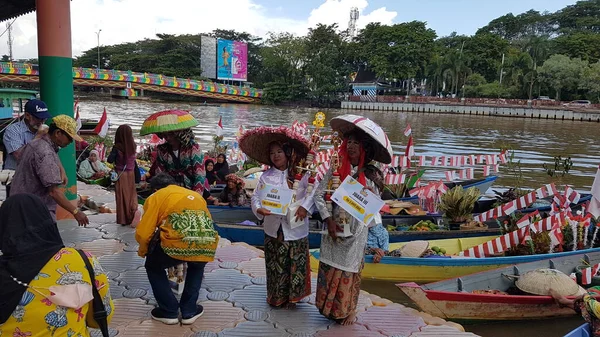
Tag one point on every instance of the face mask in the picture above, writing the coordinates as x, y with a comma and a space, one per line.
72, 296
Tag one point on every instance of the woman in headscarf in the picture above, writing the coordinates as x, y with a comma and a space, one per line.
92, 167
123, 156
34, 263
181, 157
287, 257
209, 168
341, 258
221, 168
234, 193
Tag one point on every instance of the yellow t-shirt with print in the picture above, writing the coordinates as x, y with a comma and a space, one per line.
36, 316
187, 231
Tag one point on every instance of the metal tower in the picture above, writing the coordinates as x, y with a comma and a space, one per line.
352, 24
10, 41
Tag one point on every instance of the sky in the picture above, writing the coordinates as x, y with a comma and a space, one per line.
132, 20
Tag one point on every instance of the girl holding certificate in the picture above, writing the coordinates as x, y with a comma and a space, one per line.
342, 258
286, 242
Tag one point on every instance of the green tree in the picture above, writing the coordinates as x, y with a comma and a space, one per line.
562, 73
590, 80
400, 51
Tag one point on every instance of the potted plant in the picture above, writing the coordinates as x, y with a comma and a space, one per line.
457, 205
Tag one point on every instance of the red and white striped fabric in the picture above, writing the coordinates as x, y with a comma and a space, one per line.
395, 179
526, 200
421, 160
449, 175
327, 137
499, 211
486, 170
588, 273
435, 161
526, 219
322, 169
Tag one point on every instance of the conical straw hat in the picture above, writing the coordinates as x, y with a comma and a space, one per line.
383, 146
414, 248
540, 281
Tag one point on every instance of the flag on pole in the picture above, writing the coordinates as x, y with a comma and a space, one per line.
102, 127
220, 127
77, 119
408, 130
410, 148
594, 207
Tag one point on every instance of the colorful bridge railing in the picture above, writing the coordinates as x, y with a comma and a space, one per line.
135, 77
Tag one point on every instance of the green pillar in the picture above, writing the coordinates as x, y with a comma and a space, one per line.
56, 72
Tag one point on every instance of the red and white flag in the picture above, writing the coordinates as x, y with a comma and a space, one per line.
103, 125
410, 148
408, 130
78, 119
219, 130
594, 207
588, 273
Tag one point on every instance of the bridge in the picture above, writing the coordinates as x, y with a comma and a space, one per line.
131, 81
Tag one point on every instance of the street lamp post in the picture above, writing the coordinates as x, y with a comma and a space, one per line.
98, 35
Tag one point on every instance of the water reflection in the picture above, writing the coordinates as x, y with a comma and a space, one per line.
536, 141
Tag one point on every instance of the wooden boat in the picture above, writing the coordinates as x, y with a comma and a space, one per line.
581, 331
88, 127
454, 298
422, 270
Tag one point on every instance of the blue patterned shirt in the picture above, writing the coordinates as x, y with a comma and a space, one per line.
378, 238
16, 136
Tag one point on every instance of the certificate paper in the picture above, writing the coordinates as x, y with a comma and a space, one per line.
359, 202
274, 198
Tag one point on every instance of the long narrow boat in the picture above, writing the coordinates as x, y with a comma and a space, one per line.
423, 270
454, 298
581, 331
254, 234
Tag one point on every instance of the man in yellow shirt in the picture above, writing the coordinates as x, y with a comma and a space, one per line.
184, 233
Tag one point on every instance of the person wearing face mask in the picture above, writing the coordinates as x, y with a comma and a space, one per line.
19, 134
181, 157
45, 288
287, 256
342, 258
40, 172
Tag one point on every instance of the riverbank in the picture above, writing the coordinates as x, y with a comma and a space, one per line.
479, 110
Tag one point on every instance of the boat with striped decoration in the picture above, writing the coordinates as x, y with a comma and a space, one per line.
476, 297
432, 269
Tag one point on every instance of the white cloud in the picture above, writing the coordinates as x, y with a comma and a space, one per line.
132, 20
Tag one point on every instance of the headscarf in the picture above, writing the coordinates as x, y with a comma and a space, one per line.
210, 175
239, 182
94, 164
222, 169
124, 141
346, 165
29, 238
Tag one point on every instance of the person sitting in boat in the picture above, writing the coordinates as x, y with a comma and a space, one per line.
211, 175
234, 193
221, 168
92, 167
585, 305
378, 242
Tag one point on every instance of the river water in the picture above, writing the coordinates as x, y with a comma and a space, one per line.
535, 142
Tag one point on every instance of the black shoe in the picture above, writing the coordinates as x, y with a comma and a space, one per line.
192, 319
159, 315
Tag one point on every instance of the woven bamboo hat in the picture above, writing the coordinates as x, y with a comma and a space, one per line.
414, 248
255, 142
540, 281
